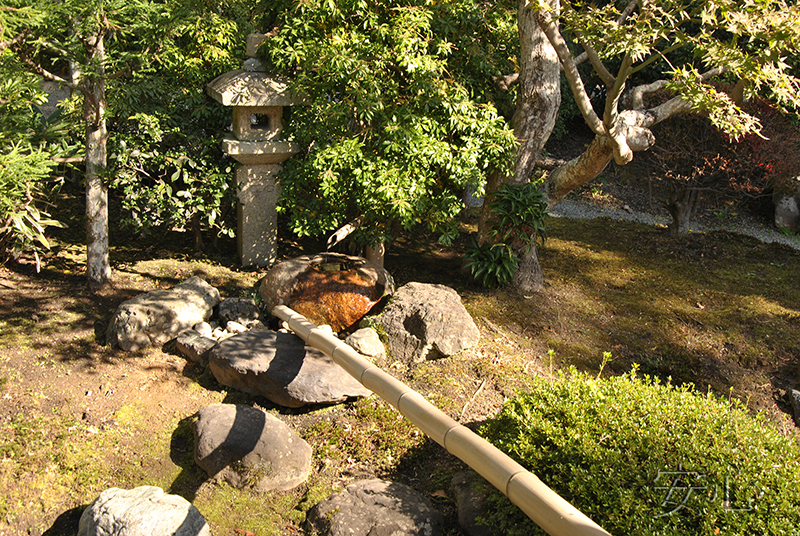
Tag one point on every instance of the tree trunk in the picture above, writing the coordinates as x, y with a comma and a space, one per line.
376, 254
197, 232
98, 269
578, 171
529, 277
683, 203
538, 101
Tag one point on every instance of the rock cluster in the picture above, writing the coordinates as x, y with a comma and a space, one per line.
248, 447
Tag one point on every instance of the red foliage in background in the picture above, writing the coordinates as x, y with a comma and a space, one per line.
690, 150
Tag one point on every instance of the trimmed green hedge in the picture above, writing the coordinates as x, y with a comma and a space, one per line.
640, 457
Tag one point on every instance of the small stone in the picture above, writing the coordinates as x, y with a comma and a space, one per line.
795, 394
204, 329
367, 342
234, 327
218, 333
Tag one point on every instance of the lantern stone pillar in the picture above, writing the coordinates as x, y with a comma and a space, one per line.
257, 99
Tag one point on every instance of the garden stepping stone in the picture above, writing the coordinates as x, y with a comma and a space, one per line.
248, 447
424, 321
280, 367
375, 507
158, 316
142, 511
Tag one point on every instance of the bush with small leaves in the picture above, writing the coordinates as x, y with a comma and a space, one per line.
642, 457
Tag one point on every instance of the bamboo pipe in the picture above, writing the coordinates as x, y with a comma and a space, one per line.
544, 506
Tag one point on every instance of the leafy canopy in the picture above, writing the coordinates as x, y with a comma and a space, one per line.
391, 133
751, 41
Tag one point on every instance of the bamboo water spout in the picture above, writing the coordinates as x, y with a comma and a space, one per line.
544, 506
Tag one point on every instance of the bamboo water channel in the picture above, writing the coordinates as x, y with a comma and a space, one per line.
544, 506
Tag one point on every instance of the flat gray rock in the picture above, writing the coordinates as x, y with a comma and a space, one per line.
248, 447
194, 347
158, 316
424, 321
280, 367
375, 508
142, 511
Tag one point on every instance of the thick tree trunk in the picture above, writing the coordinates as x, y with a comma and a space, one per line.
538, 101
98, 269
529, 277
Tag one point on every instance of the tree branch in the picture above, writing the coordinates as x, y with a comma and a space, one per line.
47, 74
11, 42
506, 81
550, 29
597, 63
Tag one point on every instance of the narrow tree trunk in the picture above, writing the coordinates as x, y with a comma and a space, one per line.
376, 254
683, 203
197, 232
98, 269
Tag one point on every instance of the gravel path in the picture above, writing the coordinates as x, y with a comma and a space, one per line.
744, 224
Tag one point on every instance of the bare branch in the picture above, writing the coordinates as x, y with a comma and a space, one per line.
627, 11
506, 81
550, 29
638, 93
343, 232
47, 74
597, 63
549, 163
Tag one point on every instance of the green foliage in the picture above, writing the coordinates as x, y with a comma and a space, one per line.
641, 457
391, 132
165, 158
494, 265
28, 143
679, 39
518, 212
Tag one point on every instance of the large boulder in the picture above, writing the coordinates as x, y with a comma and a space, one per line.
142, 511
246, 446
158, 316
332, 289
280, 367
424, 321
375, 507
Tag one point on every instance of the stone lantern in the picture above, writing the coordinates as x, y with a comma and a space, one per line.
257, 99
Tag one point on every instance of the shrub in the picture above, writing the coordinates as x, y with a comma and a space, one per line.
641, 457
518, 212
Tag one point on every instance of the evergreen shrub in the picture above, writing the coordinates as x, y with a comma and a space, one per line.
642, 457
